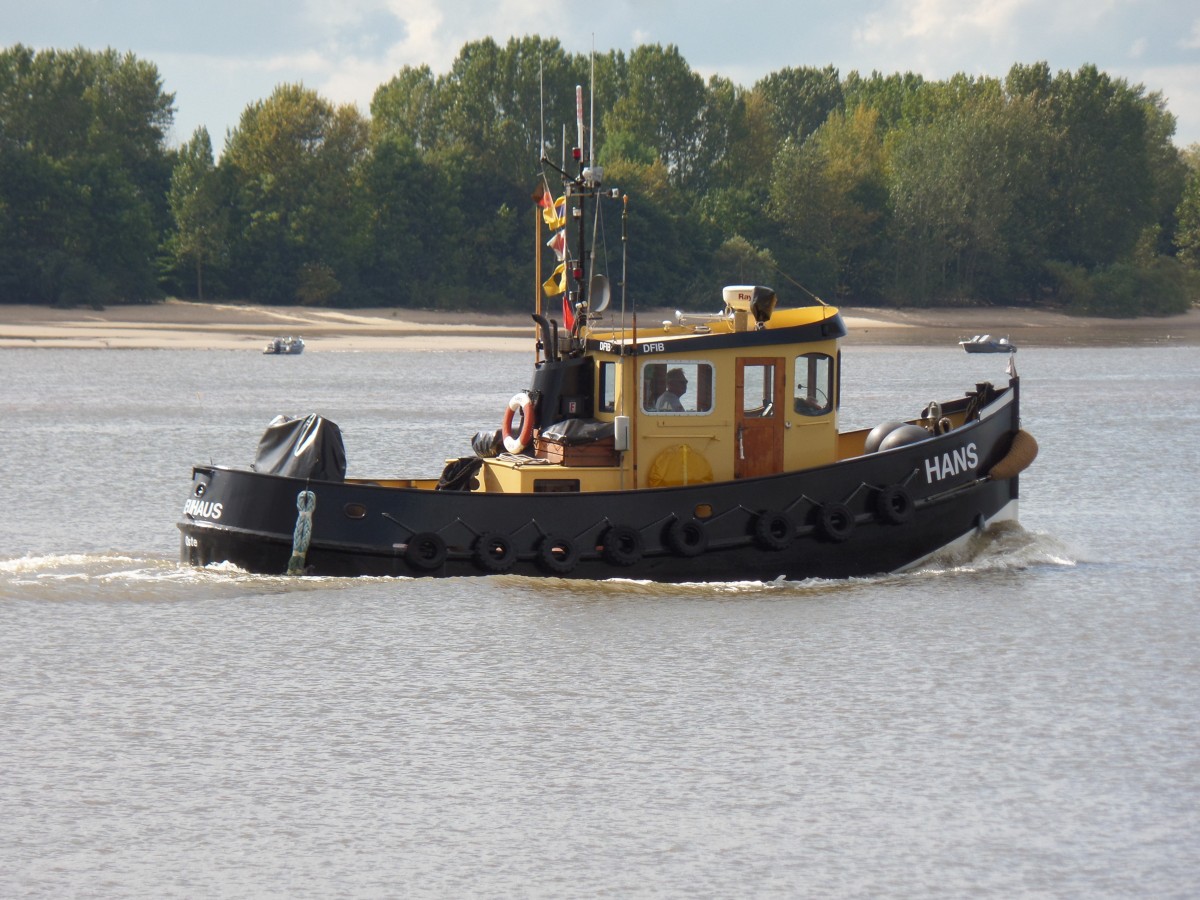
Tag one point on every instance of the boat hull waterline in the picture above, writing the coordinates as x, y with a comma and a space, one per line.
871, 514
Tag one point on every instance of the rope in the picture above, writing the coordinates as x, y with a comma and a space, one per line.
306, 502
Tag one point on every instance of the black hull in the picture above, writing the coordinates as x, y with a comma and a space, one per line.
872, 514
989, 348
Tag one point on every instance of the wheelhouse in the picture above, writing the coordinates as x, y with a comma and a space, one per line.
737, 394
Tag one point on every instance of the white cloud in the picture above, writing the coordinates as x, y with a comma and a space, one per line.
940, 21
346, 49
1192, 41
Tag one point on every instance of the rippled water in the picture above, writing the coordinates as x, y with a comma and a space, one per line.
1017, 721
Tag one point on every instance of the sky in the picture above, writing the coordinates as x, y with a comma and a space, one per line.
219, 56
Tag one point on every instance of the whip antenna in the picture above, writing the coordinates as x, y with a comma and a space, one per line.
592, 111
579, 116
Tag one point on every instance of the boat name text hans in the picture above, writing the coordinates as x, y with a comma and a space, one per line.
950, 464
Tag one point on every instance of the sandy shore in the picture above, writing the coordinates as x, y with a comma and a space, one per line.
185, 325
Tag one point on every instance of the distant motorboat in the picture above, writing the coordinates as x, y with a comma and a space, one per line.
285, 345
985, 343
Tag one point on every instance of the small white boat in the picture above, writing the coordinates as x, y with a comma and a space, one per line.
985, 343
290, 346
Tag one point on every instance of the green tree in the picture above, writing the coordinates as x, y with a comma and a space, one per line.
409, 106
1114, 181
662, 107
294, 161
1168, 175
667, 250
494, 99
197, 204
737, 261
891, 96
1104, 186
966, 186
85, 175
737, 197
1187, 236
829, 197
799, 100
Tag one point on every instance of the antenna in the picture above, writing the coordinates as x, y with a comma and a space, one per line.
592, 111
625, 256
579, 116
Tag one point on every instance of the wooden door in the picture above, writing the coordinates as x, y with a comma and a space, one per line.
758, 417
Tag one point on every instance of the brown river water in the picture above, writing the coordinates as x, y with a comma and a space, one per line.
1018, 720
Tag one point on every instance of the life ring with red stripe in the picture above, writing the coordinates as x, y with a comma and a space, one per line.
516, 443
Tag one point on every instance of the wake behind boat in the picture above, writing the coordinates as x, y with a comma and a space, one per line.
703, 448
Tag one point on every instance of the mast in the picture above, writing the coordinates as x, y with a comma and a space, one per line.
537, 274
580, 211
577, 189
537, 216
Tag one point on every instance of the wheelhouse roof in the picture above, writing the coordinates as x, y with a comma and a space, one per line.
808, 324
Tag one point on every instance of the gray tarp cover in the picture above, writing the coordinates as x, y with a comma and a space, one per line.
578, 431
302, 447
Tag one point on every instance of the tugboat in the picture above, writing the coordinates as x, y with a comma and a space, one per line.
703, 448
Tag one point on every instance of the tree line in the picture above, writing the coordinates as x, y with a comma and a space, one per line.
1042, 189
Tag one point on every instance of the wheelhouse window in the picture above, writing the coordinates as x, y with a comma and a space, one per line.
814, 384
677, 388
608, 387
758, 390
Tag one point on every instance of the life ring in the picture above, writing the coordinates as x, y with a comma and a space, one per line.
494, 552
622, 545
774, 530
516, 443
894, 504
687, 537
557, 554
835, 521
426, 551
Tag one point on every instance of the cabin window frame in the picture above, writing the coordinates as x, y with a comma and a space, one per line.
701, 386
756, 387
814, 376
606, 387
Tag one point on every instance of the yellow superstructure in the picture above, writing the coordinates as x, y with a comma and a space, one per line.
699, 399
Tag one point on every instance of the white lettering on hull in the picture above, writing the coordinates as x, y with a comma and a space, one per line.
951, 463
202, 509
